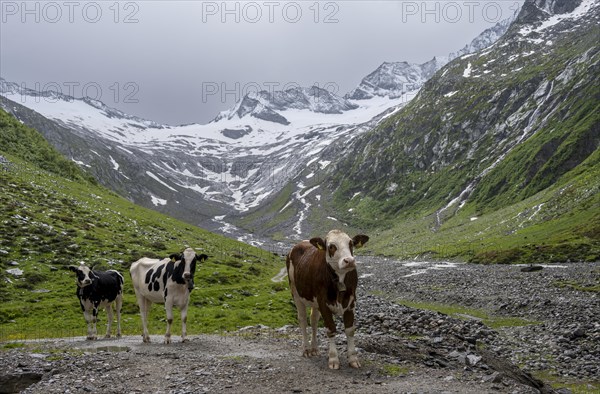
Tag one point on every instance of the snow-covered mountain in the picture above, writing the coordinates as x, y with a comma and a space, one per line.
239, 161
393, 79
268, 105
199, 172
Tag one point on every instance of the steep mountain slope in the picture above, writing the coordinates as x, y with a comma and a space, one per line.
52, 215
489, 131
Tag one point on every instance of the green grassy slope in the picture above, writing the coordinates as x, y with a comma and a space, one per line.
558, 224
53, 215
519, 136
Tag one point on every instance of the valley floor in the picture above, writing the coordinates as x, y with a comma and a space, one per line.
495, 319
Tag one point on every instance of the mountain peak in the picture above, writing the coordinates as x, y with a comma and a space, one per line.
265, 104
537, 10
393, 79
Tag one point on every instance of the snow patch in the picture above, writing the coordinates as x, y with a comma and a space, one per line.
156, 178
467, 72
81, 163
324, 163
425, 266
114, 163
158, 201
285, 206
125, 150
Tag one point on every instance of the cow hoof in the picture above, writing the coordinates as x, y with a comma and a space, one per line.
354, 364
334, 364
184, 340
107, 336
119, 335
90, 338
167, 340
146, 339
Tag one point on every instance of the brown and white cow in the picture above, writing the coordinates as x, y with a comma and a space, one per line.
322, 275
168, 281
97, 290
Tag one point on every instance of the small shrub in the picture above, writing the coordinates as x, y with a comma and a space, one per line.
254, 270
234, 264
35, 277
508, 256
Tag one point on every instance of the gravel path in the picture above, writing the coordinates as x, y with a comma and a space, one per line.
402, 349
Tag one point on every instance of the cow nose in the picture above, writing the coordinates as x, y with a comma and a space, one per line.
186, 275
349, 261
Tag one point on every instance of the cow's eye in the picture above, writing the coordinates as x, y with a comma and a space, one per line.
332, 250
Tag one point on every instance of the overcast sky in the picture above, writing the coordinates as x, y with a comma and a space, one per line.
180, 62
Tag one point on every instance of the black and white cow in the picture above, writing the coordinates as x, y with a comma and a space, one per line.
168, 281
95, 290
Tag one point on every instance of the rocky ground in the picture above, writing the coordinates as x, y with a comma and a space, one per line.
402, 349
564, 337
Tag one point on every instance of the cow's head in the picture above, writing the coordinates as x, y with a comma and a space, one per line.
339, 249
189, 258
84, 274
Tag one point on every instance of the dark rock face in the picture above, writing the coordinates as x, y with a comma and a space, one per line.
271, 116
237, 133
17, 382
536, 10
557, 6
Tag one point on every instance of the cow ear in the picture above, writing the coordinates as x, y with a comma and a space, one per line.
174, 256
360, 240
318, 243
73, 268
203, 257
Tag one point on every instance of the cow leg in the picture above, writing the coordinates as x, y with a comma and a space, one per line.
169, 310
349, 329
89, 321
314, 322
109, 318
94, 321
334, 360
184, 322
118, 306
301, 309
145, 306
